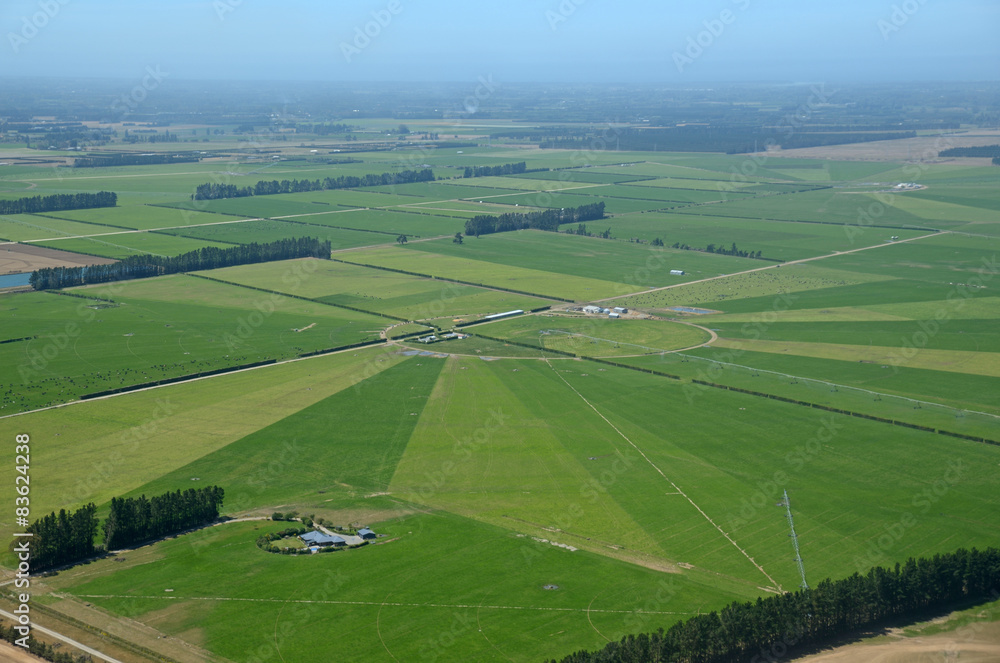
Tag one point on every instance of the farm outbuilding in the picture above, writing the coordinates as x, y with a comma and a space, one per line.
614, 316
677, 272
366, 534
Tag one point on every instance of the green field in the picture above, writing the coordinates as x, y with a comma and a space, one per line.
552, 481
594, 336
400, 295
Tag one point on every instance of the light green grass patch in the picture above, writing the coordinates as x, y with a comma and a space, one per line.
25, 227
94, 450
775, 282
594, 336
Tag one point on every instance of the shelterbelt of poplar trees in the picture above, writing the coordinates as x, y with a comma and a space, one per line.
58, 202
486, 224
774, 626
209, 257
215, 191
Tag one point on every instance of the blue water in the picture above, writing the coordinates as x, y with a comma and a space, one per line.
688, 309
13, 280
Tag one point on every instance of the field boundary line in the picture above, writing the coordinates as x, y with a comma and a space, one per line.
448, 606
774, 583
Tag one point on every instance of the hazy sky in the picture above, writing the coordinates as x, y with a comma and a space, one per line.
659, 41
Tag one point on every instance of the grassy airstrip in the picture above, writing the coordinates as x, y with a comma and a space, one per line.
496, 465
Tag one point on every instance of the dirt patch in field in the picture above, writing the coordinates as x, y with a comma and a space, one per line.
21, 258
12, 654
975, 645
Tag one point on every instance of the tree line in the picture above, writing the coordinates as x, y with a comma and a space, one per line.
208, 257
988, 151
496, 171
772, 626
215, 191
720, 249
112, 160
63, 538
58, 202
550, 219
136, 519
728, 139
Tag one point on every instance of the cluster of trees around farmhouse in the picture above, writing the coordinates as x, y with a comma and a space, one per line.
772, 627
209, 257
494, 171
65, 538
137, 519
58, 202
550, 219
40, 649
214, 191
109, 160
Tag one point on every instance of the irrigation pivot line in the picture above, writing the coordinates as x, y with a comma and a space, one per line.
795, 541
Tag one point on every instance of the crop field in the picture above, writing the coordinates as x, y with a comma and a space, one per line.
578, 197
142, 331
596, 336
142, 217
540, 484
778, 240
270, 230
124, 243
488, 274
634, 266
663, 194
410, 223
400, 295
29, 227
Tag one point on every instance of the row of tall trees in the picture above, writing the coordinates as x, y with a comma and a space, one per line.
63, 538
209, 257
136, 519
720, 249
988, 151
773, 626
110, 160
58, 202
214, 191
494, 171
550, 219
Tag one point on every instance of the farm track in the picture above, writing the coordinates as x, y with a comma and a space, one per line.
79, 645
